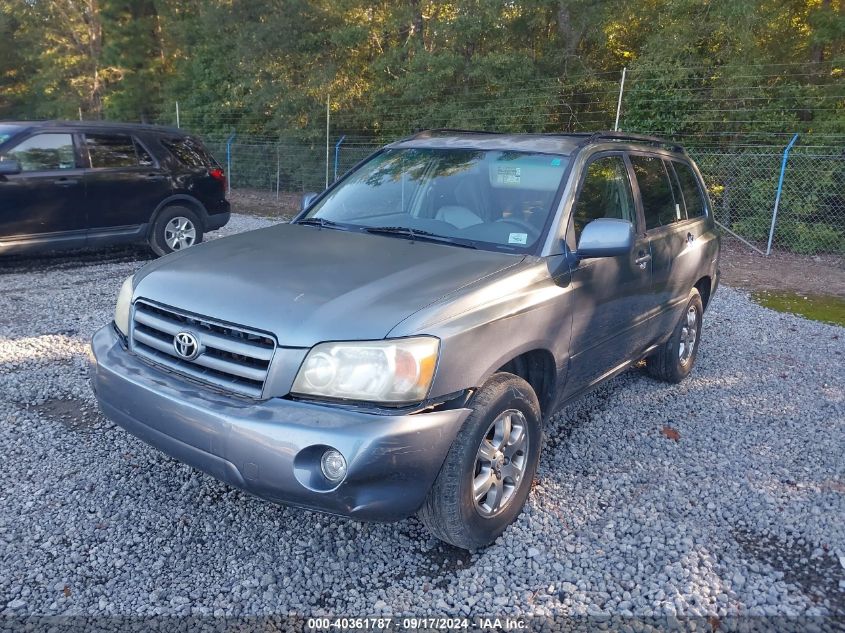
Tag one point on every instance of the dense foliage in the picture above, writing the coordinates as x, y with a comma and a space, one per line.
267, 67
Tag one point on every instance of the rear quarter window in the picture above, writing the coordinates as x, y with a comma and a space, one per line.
188, 151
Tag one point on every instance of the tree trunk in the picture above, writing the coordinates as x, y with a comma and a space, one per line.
91, 17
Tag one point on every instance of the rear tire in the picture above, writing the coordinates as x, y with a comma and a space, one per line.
176, 228
673, 361
474, 499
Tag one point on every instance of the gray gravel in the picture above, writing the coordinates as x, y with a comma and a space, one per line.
743, 514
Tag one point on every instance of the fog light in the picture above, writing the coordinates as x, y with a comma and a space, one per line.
333, 465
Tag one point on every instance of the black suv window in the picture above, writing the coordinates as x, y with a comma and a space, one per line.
189, 152
693, 196
45, 152
656, 192
111, 150
605, 193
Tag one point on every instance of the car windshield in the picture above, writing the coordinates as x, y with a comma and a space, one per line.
495, 200
7, 131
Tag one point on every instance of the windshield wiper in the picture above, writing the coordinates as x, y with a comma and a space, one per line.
323, 223
414, 234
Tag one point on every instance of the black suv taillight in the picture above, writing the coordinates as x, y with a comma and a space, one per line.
219, 175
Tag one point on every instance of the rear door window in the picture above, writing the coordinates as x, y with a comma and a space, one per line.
111, 150
45, 152
605, 193
656, 191
189, 152
693, 195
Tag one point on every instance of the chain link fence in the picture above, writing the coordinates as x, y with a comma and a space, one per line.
742, 181
743, 185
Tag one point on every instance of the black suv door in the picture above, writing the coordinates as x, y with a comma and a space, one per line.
124, 182
46, 201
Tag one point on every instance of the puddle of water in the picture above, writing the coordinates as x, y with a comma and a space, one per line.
824, 308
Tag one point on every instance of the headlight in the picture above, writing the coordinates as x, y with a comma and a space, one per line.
121, 310
392, 371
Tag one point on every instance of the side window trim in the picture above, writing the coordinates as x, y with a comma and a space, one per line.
569, 233
146, 148
677, 193
699, 184
635, 189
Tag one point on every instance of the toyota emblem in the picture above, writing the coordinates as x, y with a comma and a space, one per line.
186, 345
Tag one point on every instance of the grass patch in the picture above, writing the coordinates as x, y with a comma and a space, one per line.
824, 308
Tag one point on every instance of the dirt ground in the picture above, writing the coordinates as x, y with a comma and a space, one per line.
264, 203
781, 271
741, 266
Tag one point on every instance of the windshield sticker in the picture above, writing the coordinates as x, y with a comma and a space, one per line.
555, 162
518, 238
508, 175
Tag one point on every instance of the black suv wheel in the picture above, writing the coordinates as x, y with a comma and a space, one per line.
176, 228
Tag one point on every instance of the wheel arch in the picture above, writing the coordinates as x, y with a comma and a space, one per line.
179, 200
704, 287
537, 368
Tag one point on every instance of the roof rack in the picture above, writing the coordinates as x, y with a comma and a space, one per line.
446, 130
637, 138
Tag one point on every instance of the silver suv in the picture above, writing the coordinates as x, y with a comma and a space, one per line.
397, 348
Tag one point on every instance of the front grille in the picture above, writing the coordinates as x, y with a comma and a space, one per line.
233, 358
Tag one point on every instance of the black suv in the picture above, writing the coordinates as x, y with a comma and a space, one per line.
74, 184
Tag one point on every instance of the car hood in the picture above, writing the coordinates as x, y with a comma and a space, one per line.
306, 285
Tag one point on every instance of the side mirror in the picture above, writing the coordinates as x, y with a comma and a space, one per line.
307, 199
606, 237
9, 167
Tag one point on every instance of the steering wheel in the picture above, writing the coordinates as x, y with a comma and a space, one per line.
532, 231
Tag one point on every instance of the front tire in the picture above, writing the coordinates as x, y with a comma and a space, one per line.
673, 361
487, 475
176, 228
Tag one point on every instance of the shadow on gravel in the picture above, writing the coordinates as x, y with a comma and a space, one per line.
66, 260
442, 562
818, 576
563, 422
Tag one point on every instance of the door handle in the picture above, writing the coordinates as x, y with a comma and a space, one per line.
155, 177
66, 182
643, 259
690, 238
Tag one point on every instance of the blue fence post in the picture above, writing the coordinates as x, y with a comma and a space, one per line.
229, 162
337, 154
780, 190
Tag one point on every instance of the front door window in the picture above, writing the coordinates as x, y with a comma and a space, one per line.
605, 193
45, 152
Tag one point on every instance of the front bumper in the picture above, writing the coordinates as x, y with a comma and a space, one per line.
271, 448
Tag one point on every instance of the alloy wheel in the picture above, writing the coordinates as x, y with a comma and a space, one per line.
180, 233
500, 463
689, 334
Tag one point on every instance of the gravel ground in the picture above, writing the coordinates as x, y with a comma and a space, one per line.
722, 496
